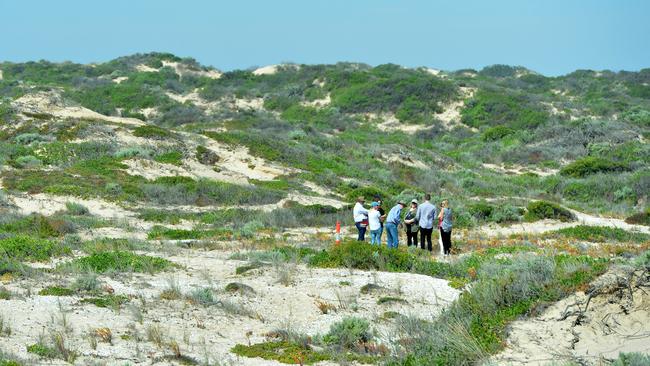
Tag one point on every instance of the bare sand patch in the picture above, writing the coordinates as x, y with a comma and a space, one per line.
586, 328
182, 70
120, 79
145, 68
52, 103
519, 169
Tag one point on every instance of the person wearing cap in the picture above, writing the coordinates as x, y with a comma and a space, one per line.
392, 221
425, 215
374, 224
360, 215
412, 227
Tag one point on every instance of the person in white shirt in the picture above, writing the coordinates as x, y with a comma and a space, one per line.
374, 224
360, 215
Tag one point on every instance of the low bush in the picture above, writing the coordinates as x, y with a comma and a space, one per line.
171, 157
496, 133
539, 210
76, 209
631, 359
23, 247
642, 218
106, 301
349, 333
281, 351
600, 234
591, 165
152, 132
56, 291
119, 261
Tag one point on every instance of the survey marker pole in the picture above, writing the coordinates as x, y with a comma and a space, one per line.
338, 232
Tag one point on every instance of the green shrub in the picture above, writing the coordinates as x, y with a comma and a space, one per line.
56, 291
281, 351
642, 218
539, 210
368, 193
130, 152
631, 359
171, 157
106, 301
591, 165
206, 156
203, 296
120, 261
600, 234
22, 247
76, 209
150, 131
481, 210
349, 333
42, 350
497, 108
496, 133
26, 162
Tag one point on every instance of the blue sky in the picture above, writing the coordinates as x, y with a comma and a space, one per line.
551, 37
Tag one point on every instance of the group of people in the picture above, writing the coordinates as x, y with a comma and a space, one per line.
420, 218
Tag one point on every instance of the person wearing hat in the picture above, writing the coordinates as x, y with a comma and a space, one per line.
374, 224
412, 227
392, 221
360, 215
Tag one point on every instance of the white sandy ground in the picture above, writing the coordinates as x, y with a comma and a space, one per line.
519, 169
182, 70
201, 330
450, 116
266, 70
237, 163
1, 76
318, 103
120, 79
405, 160
52, 103
616, 320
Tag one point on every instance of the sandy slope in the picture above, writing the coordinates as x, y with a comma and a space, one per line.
52, 103
617, 319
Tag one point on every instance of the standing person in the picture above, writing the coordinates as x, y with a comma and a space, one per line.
374, 224
392, 221
360, 215
445, 217
382, 216
425, 216
411, 225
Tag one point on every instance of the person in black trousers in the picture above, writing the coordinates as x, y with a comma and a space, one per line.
445, 218
411, 226
424, 217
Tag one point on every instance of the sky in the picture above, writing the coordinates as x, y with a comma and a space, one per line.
549, 36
